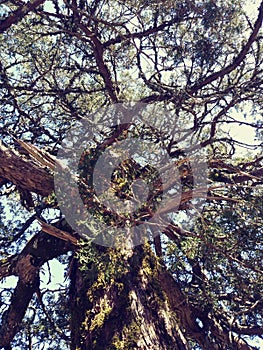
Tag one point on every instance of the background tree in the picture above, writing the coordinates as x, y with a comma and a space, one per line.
189, 289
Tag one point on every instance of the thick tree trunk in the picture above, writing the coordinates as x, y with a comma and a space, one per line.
120, 304
119, 299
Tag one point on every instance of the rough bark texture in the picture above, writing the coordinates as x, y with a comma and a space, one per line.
24, 173
126, 309
119, 299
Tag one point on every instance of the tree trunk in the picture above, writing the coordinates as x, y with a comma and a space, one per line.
120, 304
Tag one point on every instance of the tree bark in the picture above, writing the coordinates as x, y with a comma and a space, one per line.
119, 299
24, 172
120, 304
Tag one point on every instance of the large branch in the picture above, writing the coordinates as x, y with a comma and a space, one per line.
237, 60
98, 50
145, 33
24, 172
44, 246
19, 14
11, 321
188, 315
40, 249
234, 174
30, 174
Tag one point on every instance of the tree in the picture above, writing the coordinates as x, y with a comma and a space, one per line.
198, 283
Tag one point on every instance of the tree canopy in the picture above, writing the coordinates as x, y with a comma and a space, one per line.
196, 67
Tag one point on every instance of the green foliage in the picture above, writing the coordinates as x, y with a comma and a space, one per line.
225, 254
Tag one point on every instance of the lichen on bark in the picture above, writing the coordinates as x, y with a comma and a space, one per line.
122, 302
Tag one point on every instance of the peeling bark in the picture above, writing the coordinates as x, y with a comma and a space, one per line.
24, 173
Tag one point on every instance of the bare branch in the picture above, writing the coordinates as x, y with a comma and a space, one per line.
53, 231
237, 60
11, 321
